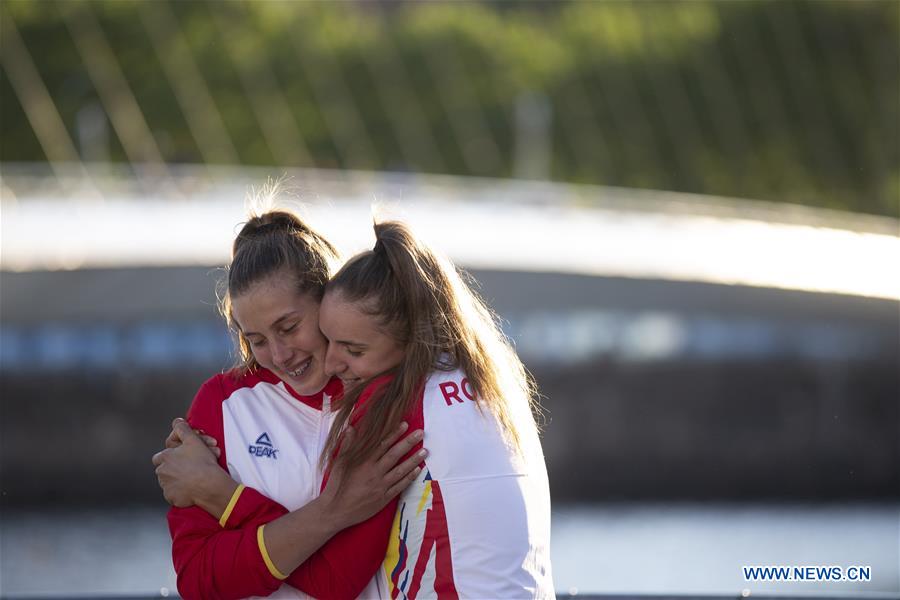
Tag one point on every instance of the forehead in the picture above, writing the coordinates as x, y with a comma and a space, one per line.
267, 300
347, 321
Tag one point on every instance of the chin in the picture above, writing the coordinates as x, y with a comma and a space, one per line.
350, 384
308, 387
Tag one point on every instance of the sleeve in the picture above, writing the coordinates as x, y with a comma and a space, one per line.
344, 566
211, 562
341, 568
229, 560
214, 563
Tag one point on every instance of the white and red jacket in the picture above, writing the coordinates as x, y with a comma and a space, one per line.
475, 524
271, 440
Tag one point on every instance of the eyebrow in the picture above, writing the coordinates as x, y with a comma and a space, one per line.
351, 343
283, 317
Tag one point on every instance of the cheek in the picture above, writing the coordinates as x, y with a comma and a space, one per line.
359, 367
261, 355
310, 339
394, 357
370, 367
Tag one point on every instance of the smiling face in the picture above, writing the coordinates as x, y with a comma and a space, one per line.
358, 346
282, 328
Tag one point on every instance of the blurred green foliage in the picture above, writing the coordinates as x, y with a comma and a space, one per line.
795, 101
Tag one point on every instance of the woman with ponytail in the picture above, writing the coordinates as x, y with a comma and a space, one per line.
411, 342
252, 515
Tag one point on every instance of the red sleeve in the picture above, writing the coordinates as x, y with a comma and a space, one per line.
344, 566
216, 562
211, 562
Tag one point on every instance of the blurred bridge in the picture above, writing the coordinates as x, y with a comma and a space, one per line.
666, 330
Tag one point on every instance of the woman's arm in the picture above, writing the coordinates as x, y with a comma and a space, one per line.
232, 556
212, 562
189, 474
253, 558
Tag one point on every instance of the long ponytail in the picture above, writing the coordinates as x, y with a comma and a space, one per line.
422, 301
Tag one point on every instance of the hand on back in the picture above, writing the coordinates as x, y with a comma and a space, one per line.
358, 494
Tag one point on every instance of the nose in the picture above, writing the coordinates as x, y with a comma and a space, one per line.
281, 354
333, 365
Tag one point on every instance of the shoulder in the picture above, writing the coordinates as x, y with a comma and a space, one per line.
448, 388
464, 439
231, 381
218, 388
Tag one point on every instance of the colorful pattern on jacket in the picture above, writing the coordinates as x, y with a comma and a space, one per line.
476, 522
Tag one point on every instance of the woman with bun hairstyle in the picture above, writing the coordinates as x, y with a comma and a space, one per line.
252, 515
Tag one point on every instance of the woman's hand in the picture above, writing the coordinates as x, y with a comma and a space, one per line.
356, 495
173, 441
188, 472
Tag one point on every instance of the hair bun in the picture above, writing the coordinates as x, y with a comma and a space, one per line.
271, 222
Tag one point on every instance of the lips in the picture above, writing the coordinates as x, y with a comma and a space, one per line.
301, 368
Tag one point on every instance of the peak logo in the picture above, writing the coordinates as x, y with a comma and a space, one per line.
263, 447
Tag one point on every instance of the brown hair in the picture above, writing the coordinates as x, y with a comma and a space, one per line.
276, 241
422, 301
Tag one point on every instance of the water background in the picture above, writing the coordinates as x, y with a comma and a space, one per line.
609, 548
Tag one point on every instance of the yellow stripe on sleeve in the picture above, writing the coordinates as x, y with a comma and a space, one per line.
231, 504
265, 554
